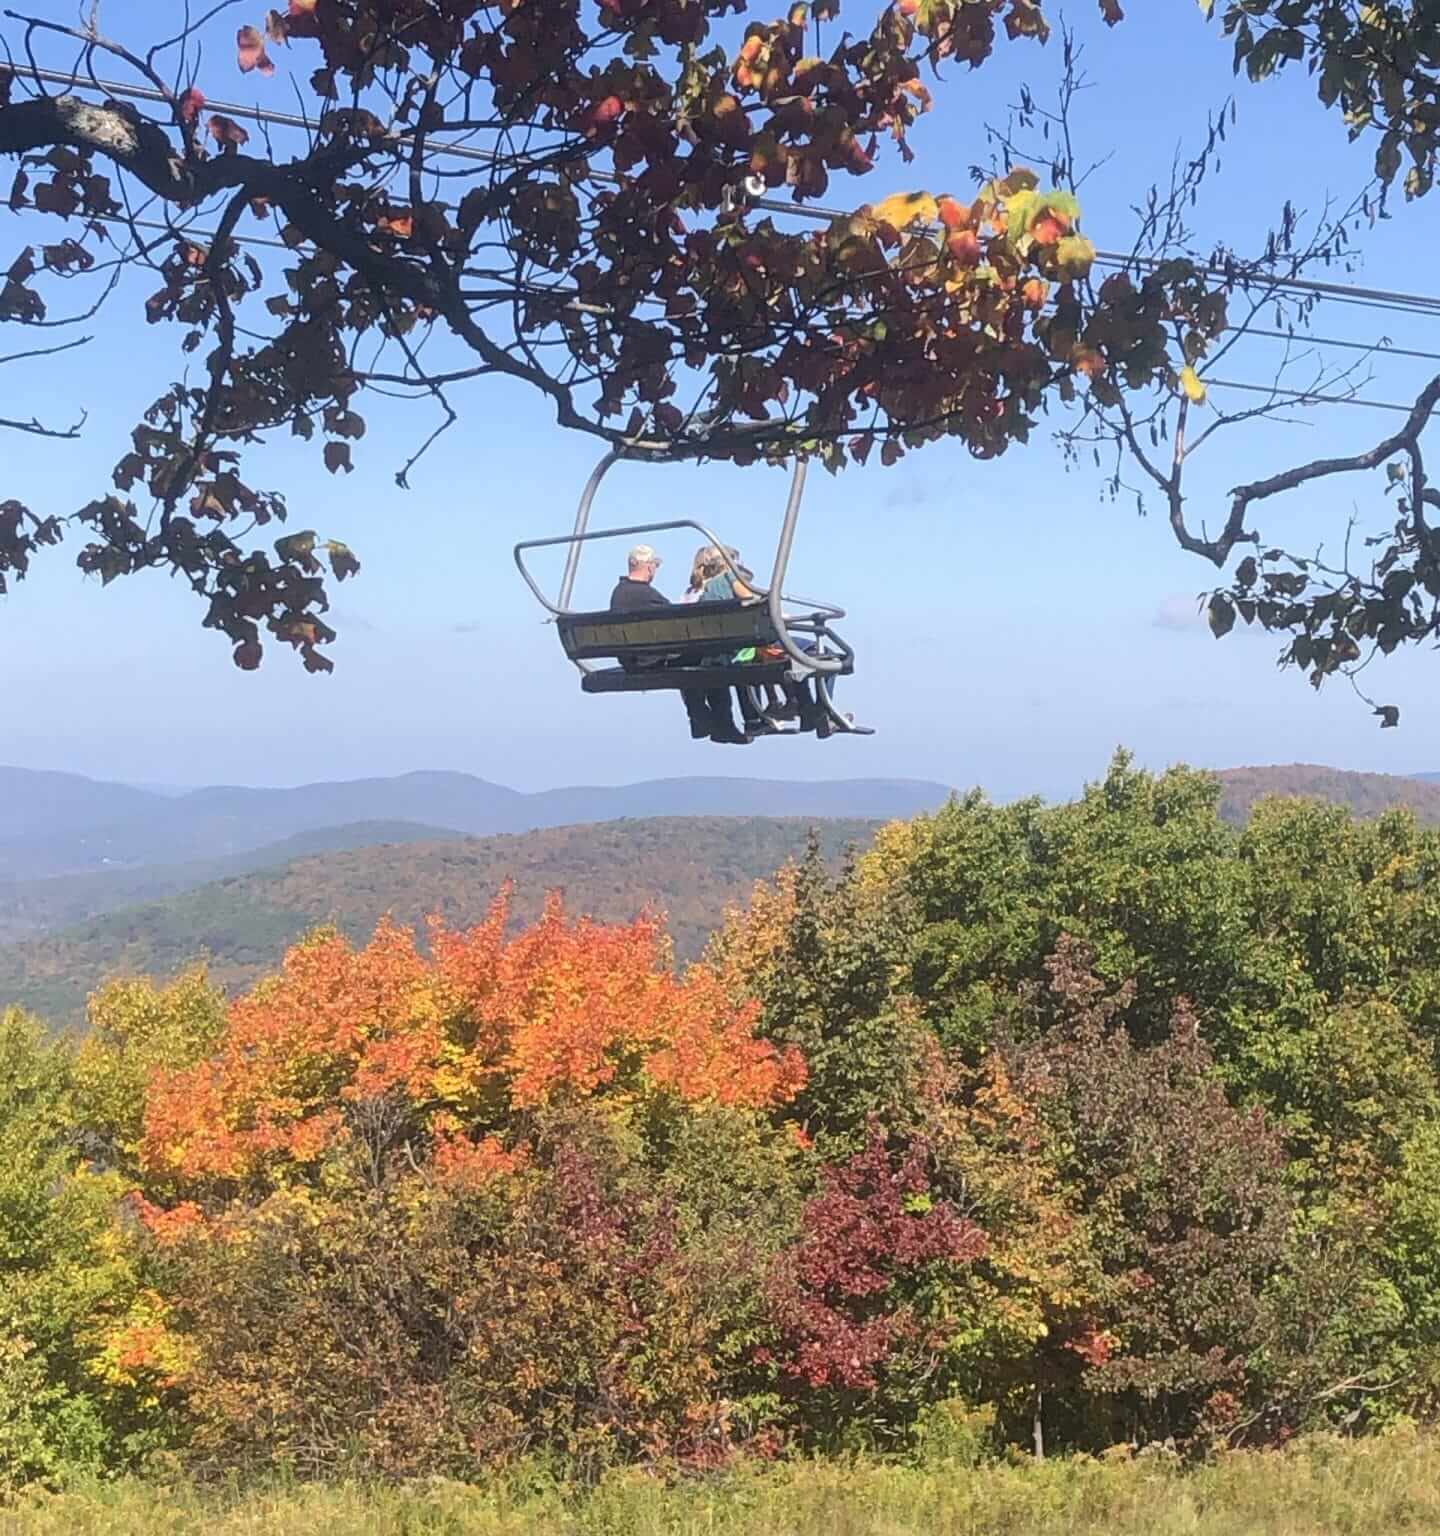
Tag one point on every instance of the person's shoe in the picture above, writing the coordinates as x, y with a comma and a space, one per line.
729, 736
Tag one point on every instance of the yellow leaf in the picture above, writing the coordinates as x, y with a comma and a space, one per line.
1190, 383
1073, 255
901, 209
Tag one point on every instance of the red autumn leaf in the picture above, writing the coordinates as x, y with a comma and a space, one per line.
401, 225
190, 104
1110, 10
277, 28
250, 48
58, 196
337, 457
303, 7
247, 655
226, 132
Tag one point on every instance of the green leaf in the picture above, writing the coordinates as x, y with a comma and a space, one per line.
296, 546
1387, 157
1221, 614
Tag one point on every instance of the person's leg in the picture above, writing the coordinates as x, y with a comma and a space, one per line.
697, 706
777, 703
723, 717
748, 712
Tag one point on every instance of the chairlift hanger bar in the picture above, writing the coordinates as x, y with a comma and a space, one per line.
1426, 303
773, 596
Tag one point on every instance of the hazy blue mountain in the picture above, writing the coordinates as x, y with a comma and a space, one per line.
36, 803
137, 828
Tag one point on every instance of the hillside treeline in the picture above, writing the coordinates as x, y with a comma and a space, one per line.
1062, 1128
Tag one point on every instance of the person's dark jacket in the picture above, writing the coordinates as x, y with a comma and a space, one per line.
630, 595
633, 597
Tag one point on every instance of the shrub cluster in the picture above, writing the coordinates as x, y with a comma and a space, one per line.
1095, 1124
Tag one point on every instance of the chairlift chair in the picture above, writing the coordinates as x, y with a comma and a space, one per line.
676, 647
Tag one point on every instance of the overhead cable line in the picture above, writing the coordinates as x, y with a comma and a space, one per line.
1294, 396
1345, 292
1307, 397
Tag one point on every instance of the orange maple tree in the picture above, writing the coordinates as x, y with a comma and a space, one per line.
459, 1042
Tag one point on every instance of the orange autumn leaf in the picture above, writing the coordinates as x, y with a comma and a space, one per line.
399, 224
250, 51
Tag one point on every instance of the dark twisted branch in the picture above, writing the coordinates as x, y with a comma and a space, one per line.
1405, 441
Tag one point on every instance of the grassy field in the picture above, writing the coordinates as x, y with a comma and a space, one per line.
1319, 1486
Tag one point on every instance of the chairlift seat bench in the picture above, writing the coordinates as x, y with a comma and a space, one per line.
675, 647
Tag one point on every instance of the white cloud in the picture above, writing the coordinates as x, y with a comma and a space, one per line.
1180, 610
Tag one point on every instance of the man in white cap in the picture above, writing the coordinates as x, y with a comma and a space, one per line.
709, 710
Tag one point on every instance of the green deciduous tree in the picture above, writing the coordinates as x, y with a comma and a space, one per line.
70, 1284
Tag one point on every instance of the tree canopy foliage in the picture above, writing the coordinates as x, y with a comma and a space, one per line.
583, 198
1091, 1127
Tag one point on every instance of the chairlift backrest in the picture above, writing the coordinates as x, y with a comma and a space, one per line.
690, 627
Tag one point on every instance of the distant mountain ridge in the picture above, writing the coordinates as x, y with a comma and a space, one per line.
243, 908
63, 824
692, 868
32, 907
1365, 794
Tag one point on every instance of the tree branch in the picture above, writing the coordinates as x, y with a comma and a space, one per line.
36, 429
1243, 496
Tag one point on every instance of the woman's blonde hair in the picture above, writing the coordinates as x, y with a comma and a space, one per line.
707, 564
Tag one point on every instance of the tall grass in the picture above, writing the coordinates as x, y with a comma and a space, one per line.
1381, 1486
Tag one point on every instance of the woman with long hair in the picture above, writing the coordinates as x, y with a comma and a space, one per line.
707, 563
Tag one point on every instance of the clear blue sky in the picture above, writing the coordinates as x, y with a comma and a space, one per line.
1012, 628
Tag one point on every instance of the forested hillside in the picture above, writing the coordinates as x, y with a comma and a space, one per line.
690, 868
30, 907
1366, 794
